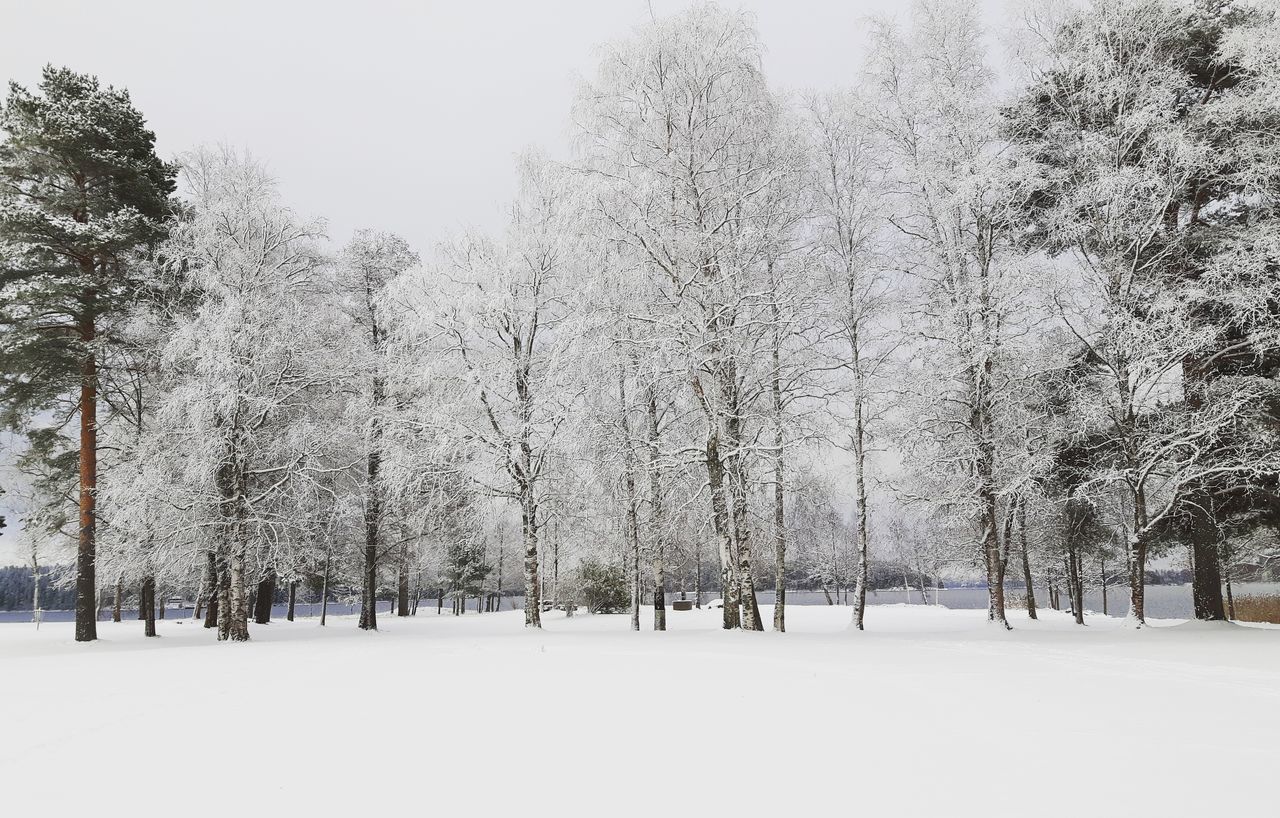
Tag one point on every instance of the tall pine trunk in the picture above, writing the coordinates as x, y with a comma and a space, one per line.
86, 557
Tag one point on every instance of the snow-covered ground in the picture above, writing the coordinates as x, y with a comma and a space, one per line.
931, 712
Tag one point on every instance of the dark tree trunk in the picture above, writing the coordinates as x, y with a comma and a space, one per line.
214, 593
1026, 560
1137, 552
324, 586
265, 597
368, 597
86, 556
1206, 573
293, 599
117, 603
147, 605
402, 583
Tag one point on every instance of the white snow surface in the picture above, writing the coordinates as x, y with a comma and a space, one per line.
929, 712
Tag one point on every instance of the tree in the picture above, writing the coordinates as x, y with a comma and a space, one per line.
82, 195
934, 112
683, 136
848, 189
1144, 138
367, 265
503, 336
249, 412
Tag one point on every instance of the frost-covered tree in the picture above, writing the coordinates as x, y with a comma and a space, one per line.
1149, 134
934, 110
498, 329
256, 359
367, 265
683, 135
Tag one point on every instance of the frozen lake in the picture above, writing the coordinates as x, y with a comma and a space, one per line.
1163, 602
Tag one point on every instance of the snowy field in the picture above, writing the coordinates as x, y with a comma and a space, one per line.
929, 713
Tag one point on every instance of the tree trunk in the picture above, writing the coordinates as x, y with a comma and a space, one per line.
86, 556
697, 574
36, 614
1027, 579
117, 603
751, 619
1137, 578
324, 587
859, 439
529, 530
293, 599
237, 613
779, 463
402, 583
720, 518
860, 510
1075, 582
994, 563
147, 604
1226, 579
214, 567
631, 533
373, 509
265, 597
1206, 573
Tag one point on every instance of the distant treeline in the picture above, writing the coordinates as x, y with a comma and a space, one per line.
15, 589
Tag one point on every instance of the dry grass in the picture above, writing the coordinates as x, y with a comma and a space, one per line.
1258, 609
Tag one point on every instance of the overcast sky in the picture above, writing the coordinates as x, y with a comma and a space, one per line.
402, 116
398, 115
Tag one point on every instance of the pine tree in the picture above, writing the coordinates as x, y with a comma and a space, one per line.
81, 193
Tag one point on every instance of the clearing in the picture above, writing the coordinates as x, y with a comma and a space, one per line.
930, 712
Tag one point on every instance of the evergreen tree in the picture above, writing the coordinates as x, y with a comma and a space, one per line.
82, 192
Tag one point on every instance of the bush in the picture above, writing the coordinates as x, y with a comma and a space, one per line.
604, 587
1258, 609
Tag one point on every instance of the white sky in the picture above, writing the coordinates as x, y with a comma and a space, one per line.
396, 115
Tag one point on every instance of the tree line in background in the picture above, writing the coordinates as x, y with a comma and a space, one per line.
742, 337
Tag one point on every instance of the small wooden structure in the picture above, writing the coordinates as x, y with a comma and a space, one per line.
682, 604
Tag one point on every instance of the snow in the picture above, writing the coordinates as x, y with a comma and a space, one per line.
587, 718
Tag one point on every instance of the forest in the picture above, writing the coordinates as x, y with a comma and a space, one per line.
996, 313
